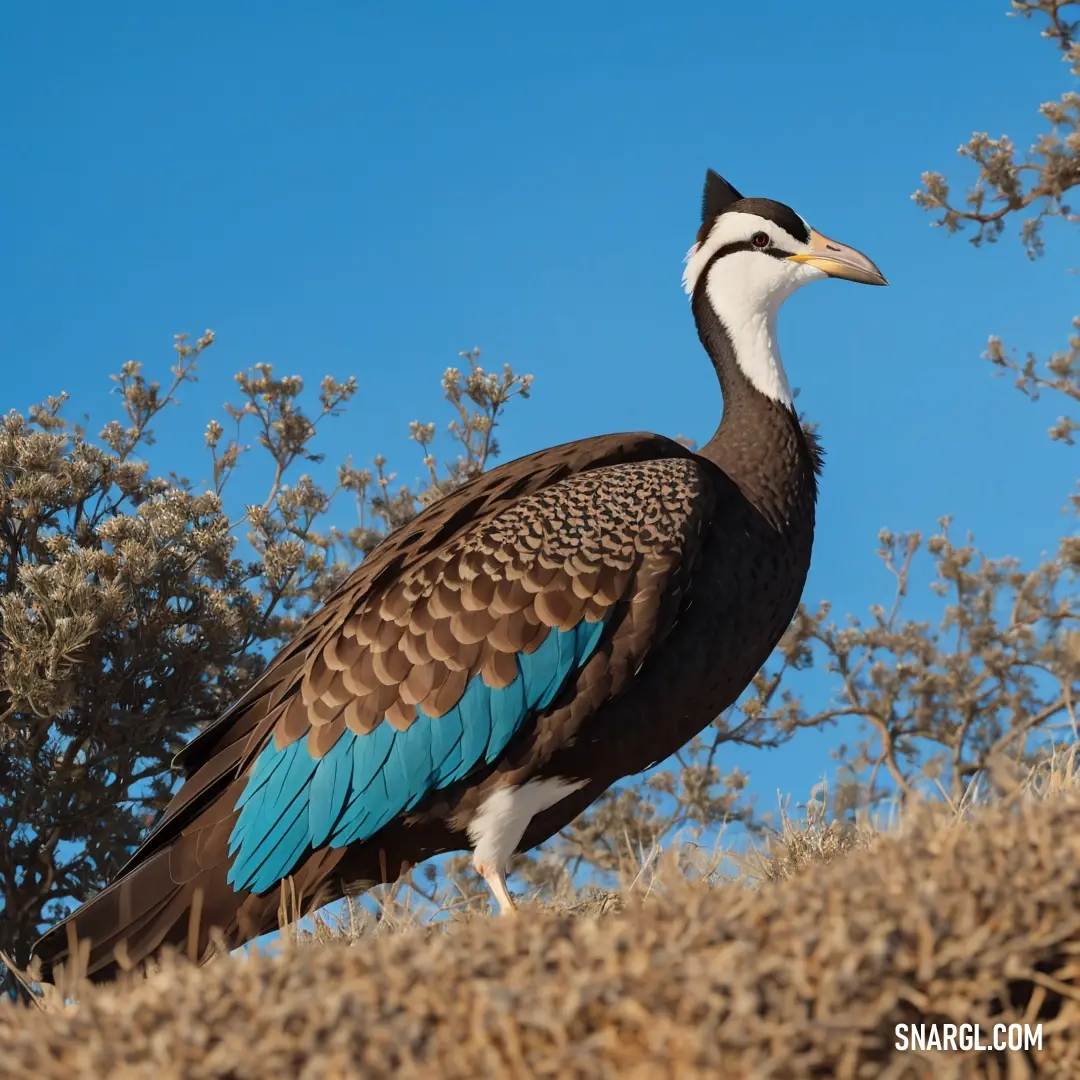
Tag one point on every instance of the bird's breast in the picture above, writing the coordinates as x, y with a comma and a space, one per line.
736, 607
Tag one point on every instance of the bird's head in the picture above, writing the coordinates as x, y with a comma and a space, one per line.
749, 257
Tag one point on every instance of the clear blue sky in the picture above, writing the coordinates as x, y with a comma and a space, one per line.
366, 189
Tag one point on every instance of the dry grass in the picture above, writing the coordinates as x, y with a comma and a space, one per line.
974, 917
811, 840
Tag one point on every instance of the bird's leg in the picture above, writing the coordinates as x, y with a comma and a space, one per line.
496, 882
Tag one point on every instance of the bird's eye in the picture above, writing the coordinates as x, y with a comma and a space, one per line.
761, 240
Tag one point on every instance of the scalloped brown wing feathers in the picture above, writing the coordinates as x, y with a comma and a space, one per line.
555, 557
489, 569
425, 536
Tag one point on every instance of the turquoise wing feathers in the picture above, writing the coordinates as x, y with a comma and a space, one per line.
294, 802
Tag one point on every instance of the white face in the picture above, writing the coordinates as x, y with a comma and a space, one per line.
746, 289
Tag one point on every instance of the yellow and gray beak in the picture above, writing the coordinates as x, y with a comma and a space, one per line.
839, 261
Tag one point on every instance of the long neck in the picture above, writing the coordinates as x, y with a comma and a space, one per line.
760, 443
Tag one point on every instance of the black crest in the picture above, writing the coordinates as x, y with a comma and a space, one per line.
719, 194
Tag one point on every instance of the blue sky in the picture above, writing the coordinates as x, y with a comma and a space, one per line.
367, 189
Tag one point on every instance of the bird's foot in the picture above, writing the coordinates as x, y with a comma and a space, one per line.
496, 882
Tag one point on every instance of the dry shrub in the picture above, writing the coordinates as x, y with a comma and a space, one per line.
973, 920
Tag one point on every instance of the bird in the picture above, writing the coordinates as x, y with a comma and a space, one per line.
555, 625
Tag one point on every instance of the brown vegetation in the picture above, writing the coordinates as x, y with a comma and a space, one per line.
801, 977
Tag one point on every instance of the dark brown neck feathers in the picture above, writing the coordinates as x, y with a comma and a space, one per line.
760, 443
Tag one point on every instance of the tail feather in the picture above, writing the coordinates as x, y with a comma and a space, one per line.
179, 920
211, 789
179, 897
174, 890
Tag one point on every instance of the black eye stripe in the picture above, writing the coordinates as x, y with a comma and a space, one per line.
746, 245
730, 249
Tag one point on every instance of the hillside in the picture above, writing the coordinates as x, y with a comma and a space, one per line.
973, 919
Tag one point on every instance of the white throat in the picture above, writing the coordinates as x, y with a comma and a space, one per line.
749, 316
